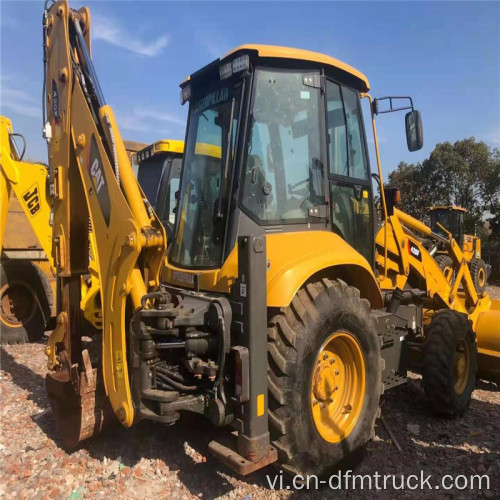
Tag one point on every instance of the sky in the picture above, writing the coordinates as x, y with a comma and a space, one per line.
446, 55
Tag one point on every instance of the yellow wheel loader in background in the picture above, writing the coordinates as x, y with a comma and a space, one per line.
27, 281
450, 219
27, 284
275, 309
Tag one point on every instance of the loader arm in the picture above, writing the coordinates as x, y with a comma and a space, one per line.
92, 178
407, 255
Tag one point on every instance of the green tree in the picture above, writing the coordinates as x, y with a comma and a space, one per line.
466, 173
408, 178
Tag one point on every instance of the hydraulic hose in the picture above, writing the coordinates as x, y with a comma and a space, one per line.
174, 384
113, 148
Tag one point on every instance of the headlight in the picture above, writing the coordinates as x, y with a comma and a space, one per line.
237, 65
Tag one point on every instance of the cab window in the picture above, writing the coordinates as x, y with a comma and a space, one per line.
345, 140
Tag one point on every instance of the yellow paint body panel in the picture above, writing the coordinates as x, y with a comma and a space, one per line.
28, 182
277, 52
292, 259
168, 146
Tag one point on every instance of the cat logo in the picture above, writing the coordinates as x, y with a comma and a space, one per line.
31, 199
414, 251
96, 171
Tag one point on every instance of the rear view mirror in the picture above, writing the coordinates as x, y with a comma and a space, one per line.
414, 131
18, 144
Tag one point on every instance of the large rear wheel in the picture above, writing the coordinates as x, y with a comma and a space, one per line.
25, 302
324, 378
479, 275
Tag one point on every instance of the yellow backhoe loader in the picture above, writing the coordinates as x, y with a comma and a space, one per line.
450, 219
275, 309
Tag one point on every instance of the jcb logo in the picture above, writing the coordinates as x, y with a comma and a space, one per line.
31, 199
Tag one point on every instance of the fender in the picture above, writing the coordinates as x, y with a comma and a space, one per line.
292, 259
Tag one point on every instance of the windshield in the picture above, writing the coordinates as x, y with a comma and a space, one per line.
443, 217
199, 230
284, 176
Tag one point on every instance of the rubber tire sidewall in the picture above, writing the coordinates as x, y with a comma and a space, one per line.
475, 266
33, 329
340, 315
440, 395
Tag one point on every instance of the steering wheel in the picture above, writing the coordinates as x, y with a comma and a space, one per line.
293, 188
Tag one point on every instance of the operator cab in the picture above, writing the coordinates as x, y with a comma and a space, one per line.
158, 172
451, 218
152, 163
293, 153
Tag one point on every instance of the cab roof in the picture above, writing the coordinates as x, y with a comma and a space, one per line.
278, 52
162, 146
448, 207
358, 79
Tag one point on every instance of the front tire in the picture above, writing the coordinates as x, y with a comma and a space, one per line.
449, 363
322, 412
479, 274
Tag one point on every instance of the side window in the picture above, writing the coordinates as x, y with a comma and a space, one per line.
345, 139
357, 162
337, 140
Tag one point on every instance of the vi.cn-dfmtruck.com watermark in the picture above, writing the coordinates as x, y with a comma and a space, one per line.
347, 480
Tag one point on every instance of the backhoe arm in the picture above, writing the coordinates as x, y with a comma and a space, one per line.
92, 177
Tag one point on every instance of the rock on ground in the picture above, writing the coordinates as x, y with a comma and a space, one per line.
150, 461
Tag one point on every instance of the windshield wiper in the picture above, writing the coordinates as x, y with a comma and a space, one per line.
219, 214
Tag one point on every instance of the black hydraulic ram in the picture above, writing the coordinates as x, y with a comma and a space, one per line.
254, 449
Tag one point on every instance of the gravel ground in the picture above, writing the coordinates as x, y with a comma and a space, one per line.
150, 460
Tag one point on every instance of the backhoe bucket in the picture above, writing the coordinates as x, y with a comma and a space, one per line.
488, 343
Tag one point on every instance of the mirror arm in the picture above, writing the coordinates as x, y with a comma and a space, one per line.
379, 166
377, 111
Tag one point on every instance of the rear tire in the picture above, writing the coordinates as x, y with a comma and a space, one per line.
297, 335
479, 275
449, 363
25, 302
446, 265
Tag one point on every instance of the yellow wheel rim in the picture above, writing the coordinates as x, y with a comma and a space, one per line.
17, 303
461, 367
338, 387
481, 277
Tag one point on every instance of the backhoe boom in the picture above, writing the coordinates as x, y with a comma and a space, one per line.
92, 178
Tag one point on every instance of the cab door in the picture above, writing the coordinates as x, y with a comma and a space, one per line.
351, 198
